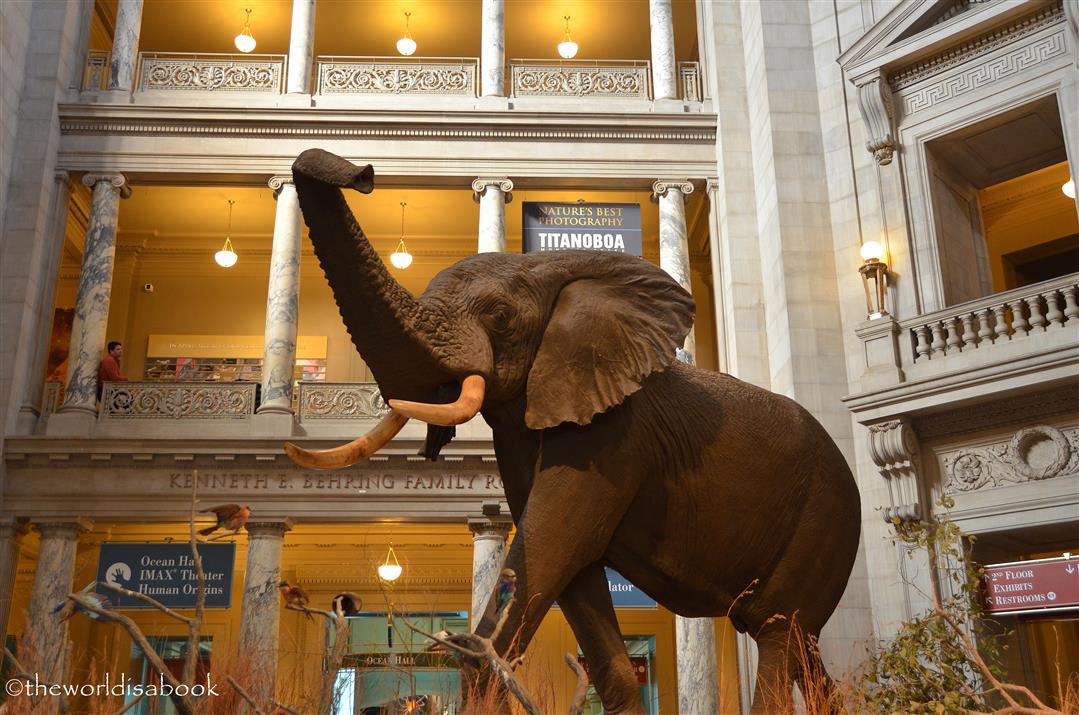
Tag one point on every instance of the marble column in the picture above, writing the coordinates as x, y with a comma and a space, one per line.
674, 245
301, 47
695, 658
260, 612
664, 76
492, 196
493, 49
488, 554
30, 407
45, 641
11, 533
92, 300
125, 45
282, 302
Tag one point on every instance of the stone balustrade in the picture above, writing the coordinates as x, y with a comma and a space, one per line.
340, 401
999, 318
177, 400
454, 76
177, 71
605, 79
95, 76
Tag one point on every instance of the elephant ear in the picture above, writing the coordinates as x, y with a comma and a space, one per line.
606, 334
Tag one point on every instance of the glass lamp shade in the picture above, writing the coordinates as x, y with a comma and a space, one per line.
226, 258
406, 46
1069, 188
872, 252
567, 49
389, 572
245, 42
401, 258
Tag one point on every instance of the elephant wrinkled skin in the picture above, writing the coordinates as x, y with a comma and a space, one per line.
690, 483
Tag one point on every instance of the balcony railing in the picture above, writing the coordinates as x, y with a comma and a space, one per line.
195, 400
454, 76
177, 71
340, 401
689, 81
999, 318
95, 76
604, 79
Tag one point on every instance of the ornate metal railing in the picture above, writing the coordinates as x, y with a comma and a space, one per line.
95, 75
389, 75
210, 72
340, 401
689, 81
999, 318
177, 400
613, 79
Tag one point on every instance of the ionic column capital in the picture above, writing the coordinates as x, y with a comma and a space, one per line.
711, 185
118, 182
269, 528
480, 186
14, 528
68, 529
277, 182
490, 528
662, 186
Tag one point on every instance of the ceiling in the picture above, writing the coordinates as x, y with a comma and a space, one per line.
441, 28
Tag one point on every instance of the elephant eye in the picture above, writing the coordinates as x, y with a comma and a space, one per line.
499, 318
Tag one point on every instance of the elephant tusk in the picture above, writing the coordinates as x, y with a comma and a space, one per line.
348, 454
466, 407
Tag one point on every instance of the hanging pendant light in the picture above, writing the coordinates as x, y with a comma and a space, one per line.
567, 48
245, 41
391, 569
401, 258
226, 257
1069, 188
406, 45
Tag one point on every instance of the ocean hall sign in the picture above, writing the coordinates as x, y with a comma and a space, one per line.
166, 572
1039, 585
549, 226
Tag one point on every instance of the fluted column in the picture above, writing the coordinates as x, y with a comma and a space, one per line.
11, 533
695, 649
125, 45
46, 643
493, 49
488, 555
282, 301
492, 195
301, 47
674, 245
92, 299
661, 23
260, 614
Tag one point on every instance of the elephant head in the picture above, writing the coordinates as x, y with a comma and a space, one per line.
491, 329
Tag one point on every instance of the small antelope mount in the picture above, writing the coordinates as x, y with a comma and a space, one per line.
692, 484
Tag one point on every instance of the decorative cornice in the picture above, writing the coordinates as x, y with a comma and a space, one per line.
662, 186
1038, 406
118, 182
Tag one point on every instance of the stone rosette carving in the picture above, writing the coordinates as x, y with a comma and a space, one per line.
1032, 454
151, 400
342, 401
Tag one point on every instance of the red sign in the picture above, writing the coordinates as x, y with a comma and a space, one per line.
1029, 586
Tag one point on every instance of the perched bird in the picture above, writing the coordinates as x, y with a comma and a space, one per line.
507, 586
230, 517
294, 596
348, 603
68, 608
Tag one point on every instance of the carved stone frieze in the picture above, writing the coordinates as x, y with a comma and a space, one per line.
875, 103
197, 400
374, 77
218, 75
894, 448
341, 401
561, 80
1032, 454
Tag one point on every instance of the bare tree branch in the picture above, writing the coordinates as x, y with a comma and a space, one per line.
131, 704
577, 706
244, 694
145, 599
194, 625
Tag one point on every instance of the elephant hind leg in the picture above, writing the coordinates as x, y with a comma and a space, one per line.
786, 657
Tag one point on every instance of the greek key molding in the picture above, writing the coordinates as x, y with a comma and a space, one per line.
662, 186
480, 186
177, 400
875, 104
341, 401
893, 446
1032, 454
118, 182
966, 81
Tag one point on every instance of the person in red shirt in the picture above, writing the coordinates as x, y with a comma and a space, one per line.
110, 367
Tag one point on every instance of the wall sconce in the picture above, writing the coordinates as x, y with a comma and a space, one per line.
401, 258
567, 48
226, 257
876, 270
1069, 188
245, 41
390, 570
406, 45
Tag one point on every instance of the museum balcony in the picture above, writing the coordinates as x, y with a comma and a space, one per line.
430, 55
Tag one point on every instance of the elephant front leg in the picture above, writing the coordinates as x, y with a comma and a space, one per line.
586, 603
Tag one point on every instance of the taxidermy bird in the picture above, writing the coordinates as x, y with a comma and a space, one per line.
507, 586
230, 517
294, 596
68, 608
348, 603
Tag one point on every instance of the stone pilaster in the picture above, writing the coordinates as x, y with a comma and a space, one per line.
493, 49
91, 304
45, 640
260, 614
282, 303
488, 555
664, 74
695, 649
492, 196
674, 245
125, 45
301, 47
11, 533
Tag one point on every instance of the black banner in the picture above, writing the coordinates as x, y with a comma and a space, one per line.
549, 226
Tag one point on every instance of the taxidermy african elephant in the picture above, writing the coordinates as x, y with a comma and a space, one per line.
690, 483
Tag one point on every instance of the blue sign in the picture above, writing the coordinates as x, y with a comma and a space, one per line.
166, 573
623, 593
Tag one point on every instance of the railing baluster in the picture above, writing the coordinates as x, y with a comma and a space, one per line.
1037, 320
985, 332
968, 336
937, 346
922, 349
953, 335
1019, 322
1071, 311
1001, 323
1052, 301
